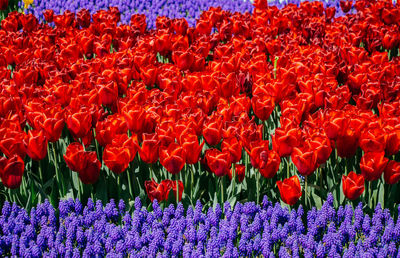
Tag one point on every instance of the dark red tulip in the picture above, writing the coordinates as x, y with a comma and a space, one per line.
173, 158
11, 171
240, 172
353, 185
290, 190
392, 172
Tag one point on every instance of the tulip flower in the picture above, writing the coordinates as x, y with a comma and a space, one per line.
240, 172
305, 160
11, 171
392, 172
36, 145
149, 150
116, 158
218, 162
373, 164
161, 191
3, 4
173, 158
290, 190
353, 185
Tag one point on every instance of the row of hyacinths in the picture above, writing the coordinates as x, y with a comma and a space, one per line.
246, 229
190, 9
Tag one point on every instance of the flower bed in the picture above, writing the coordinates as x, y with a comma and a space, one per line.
244, 230
291, 103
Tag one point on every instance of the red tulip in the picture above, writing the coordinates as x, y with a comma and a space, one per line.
161, 191
149, 150
392, 172
156, 191
212, 130
373, 164
3, 4
218, 162
305, 160
353, 185
79, 123
91, 169
240, 172
85, 163
191, 145
346, 5
116, 158
52, 128
290, 189
234, 147
284, 140
173, 158
11, 171
36, 145
270, 164
73, 156
263, 106
172, 185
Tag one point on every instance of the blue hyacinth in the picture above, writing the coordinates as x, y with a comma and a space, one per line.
243, 230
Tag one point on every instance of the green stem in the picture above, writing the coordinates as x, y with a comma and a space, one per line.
222, 189
60, 180
177, 188
257, 174
305, 191
233, 192
128, 174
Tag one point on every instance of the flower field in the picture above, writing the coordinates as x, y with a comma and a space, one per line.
220, 128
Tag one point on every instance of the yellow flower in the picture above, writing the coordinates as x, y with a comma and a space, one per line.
27, 3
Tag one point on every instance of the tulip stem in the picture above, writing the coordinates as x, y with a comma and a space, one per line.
257, 174
177, 188
61, 186
305, 191
129, 180
233, 180
222, 190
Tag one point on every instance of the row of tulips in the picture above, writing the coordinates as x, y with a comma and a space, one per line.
290, 102
244, 230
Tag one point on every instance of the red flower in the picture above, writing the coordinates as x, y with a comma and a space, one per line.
91, 169
270, 164
290, 190
11, 171
36, 145
263, 106
212, 130
346, 5
85, 163
373, 164
53, 128
392, 172
305, 160
79, 123
373, 140
173, 158
73, 156
161, 191
240, 172
353, 185
116, 158
3, 4
218, 162
149, 150
234, 147
156, 191
191, 145
284, 140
